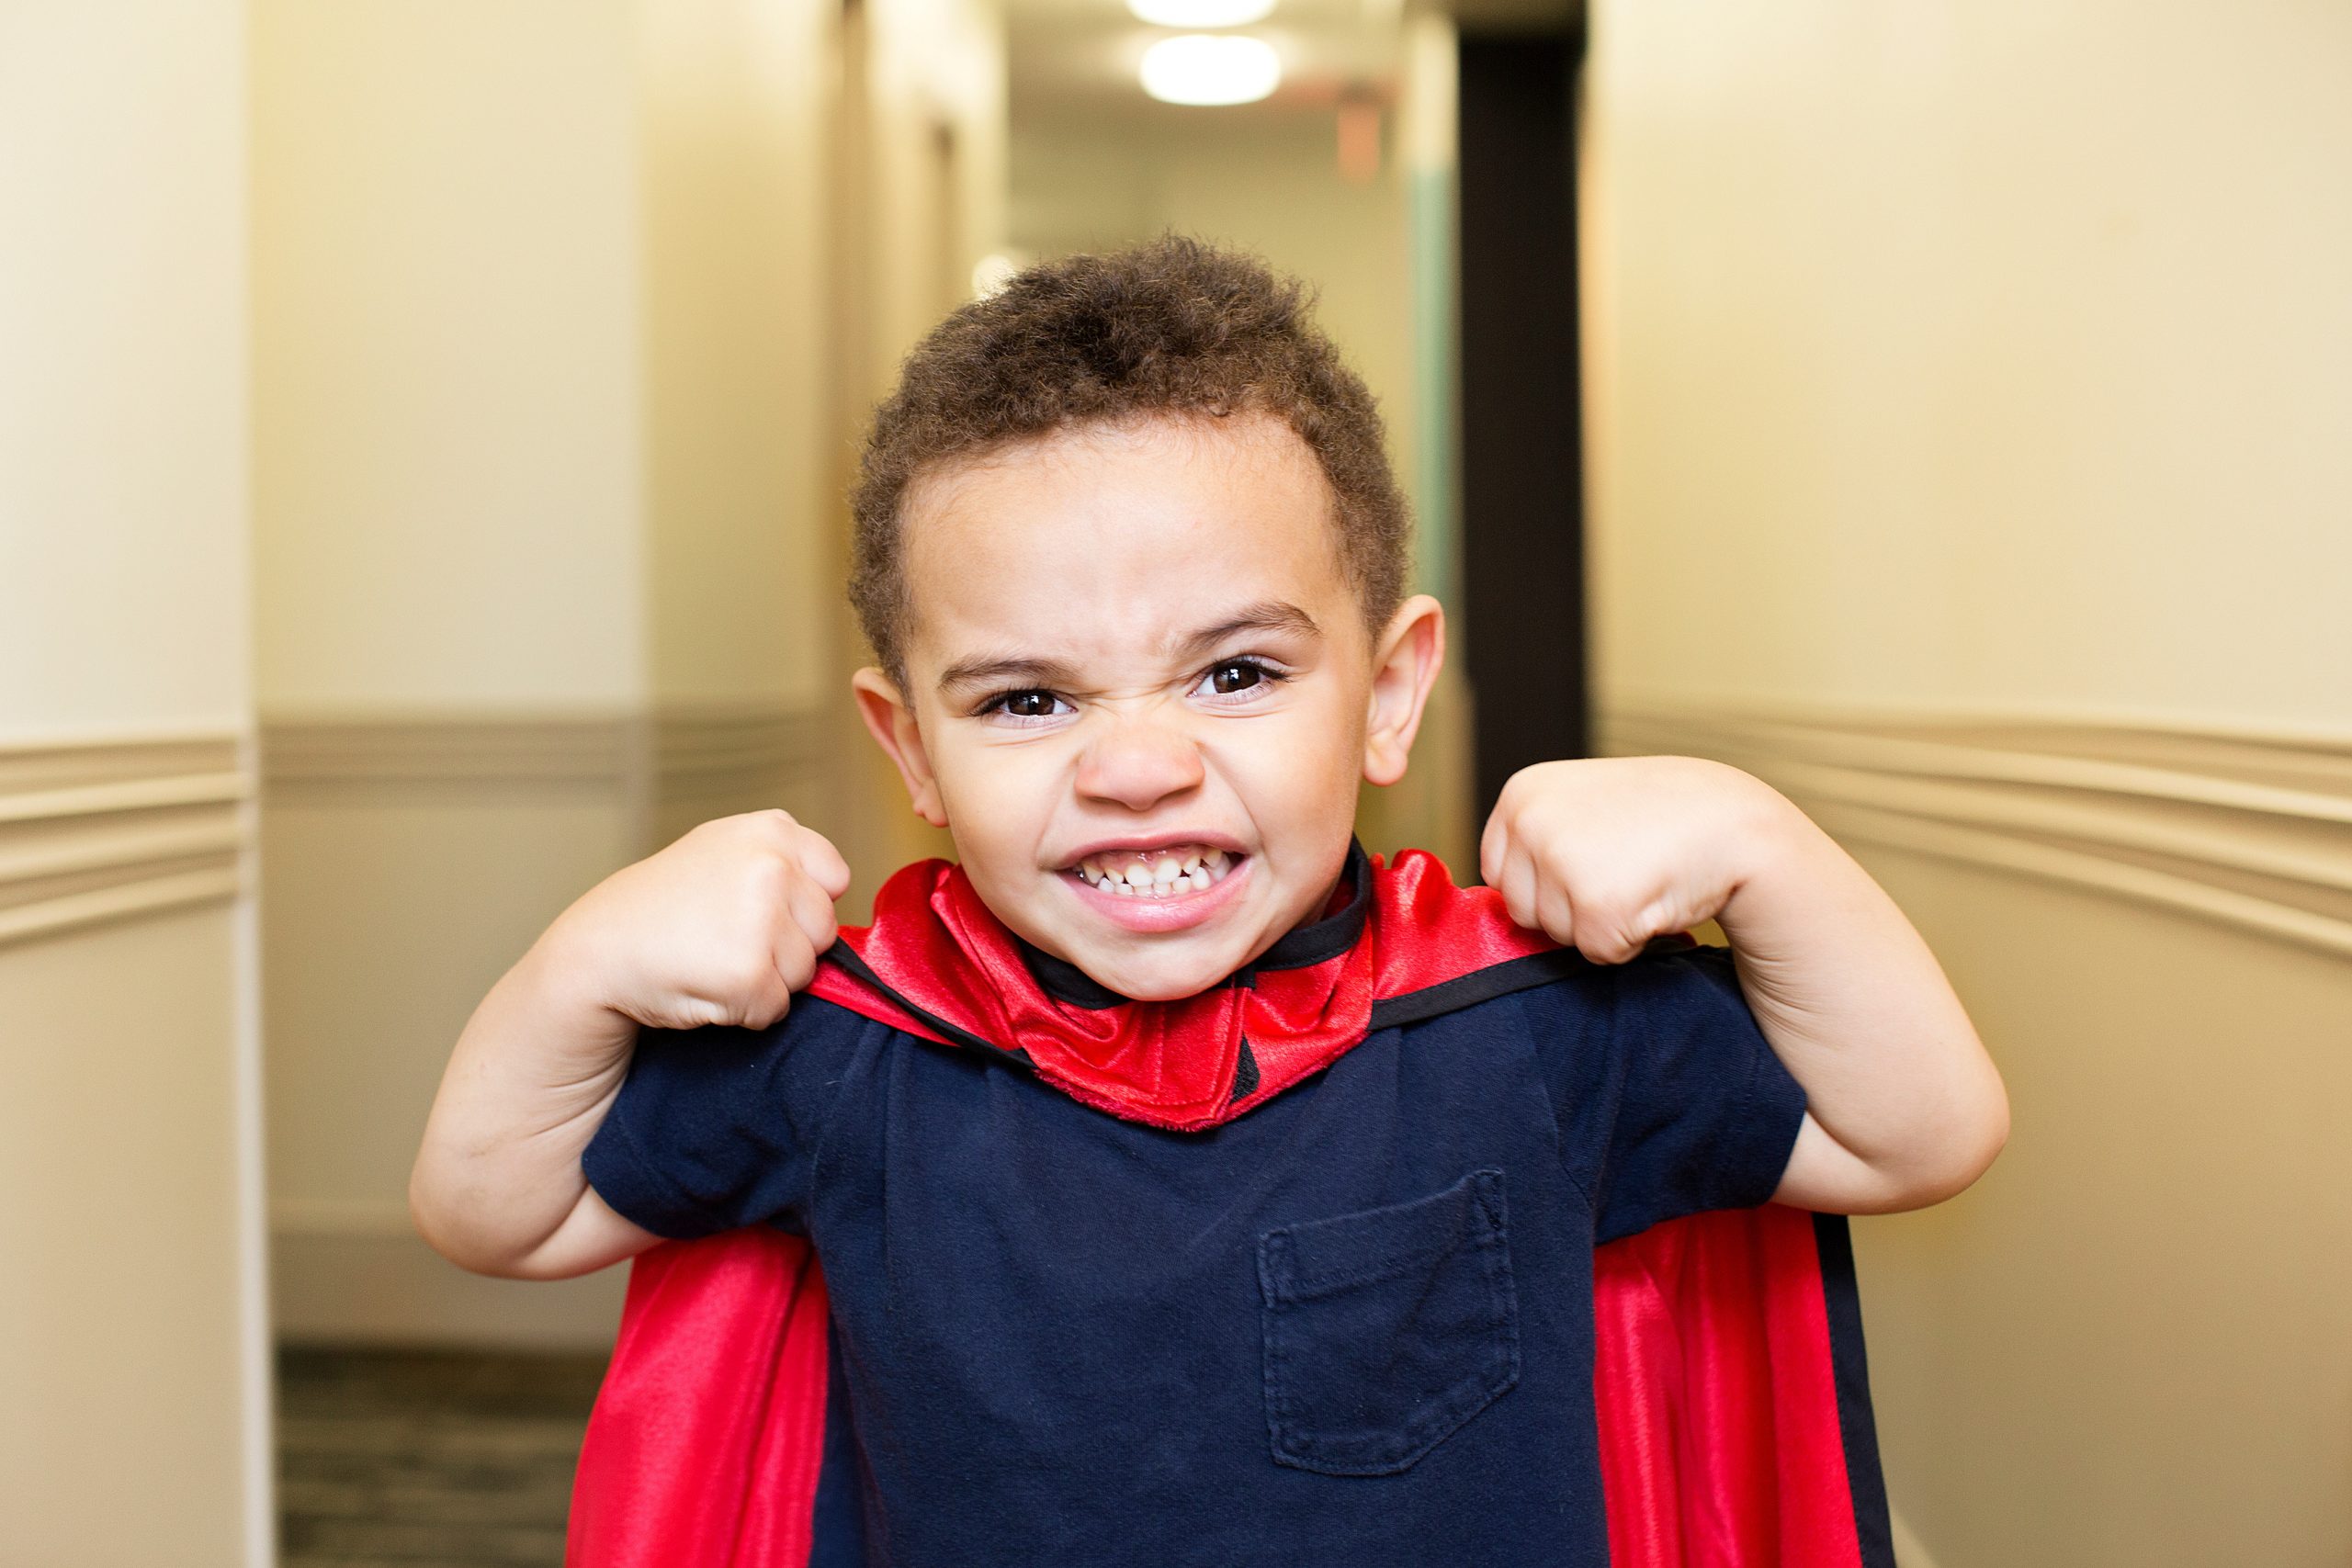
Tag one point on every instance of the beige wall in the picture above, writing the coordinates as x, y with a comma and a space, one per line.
933, 112
132, 1345
450, 495
734, 112
129, 1338
448, 456
122, 378
1995, 361
1992, 355
552, 429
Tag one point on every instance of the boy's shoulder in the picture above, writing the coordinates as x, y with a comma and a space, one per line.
1672, 986
1671, 973
815, 1038
1669, 1031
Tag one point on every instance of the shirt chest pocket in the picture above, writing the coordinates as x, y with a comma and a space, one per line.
1387, 1330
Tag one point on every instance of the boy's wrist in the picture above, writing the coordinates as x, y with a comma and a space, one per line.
567, 982
1767, 846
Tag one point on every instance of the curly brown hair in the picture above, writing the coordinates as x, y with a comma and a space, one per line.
1170, 326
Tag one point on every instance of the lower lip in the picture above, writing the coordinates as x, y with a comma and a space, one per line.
1178, 911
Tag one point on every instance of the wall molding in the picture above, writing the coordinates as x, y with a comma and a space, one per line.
97, 830
2249, 830
667, 765
401, 752
707, 748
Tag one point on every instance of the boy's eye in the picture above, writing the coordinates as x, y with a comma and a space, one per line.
1252, 678
1028, 704
1238, 675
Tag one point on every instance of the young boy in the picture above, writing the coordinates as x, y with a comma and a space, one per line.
1175, 1273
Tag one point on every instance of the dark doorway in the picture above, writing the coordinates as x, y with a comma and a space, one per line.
1523, 450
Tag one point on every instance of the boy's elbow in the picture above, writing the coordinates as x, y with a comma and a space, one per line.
1936, 1163
586, 1236
478, 1254
1992, 1135
1971, 1161
1987, 1130
1964, 1155
439, 1227
442, 1223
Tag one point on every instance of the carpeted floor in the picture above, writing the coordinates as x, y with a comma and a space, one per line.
427, 1459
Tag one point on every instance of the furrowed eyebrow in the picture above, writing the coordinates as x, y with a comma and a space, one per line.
1267, 615
1006, 672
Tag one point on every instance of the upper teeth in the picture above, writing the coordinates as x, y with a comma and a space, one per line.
1159, 873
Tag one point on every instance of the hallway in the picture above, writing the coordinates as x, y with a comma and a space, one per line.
425, 432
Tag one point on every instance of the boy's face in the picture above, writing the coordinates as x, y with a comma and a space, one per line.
1140, 692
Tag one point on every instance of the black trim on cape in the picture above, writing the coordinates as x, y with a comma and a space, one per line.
1841, 1295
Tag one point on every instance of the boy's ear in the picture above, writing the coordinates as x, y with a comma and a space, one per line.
891, 721
1405, 665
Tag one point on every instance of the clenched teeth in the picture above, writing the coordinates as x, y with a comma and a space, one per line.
1162, 873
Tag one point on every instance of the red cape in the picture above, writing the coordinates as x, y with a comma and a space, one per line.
1728, 1378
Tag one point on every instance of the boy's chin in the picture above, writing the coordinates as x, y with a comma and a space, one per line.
1159, 976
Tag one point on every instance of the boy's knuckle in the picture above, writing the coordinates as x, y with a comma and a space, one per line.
745, 982
767, 883
793, 949
703, 1013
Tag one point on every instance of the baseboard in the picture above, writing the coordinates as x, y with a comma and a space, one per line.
378, 1289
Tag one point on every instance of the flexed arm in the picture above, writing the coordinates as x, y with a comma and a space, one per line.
1905, 1108
720, 928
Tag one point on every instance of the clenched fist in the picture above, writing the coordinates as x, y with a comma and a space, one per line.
720, 928
1603, 853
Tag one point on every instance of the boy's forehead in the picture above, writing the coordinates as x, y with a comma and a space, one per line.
1133, 456
1096, 531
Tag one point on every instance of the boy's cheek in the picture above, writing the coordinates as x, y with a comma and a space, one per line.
1311, 767
993, 790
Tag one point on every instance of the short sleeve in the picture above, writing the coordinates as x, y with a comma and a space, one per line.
1670, 1099
717, 1128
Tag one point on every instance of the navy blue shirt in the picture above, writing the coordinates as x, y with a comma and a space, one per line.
1352, 1326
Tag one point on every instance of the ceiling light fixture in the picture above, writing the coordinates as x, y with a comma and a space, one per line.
1210, 68
1201, 13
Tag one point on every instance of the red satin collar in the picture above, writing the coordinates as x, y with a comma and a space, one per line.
936, 963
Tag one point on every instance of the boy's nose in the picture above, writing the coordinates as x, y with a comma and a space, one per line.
1138, 763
